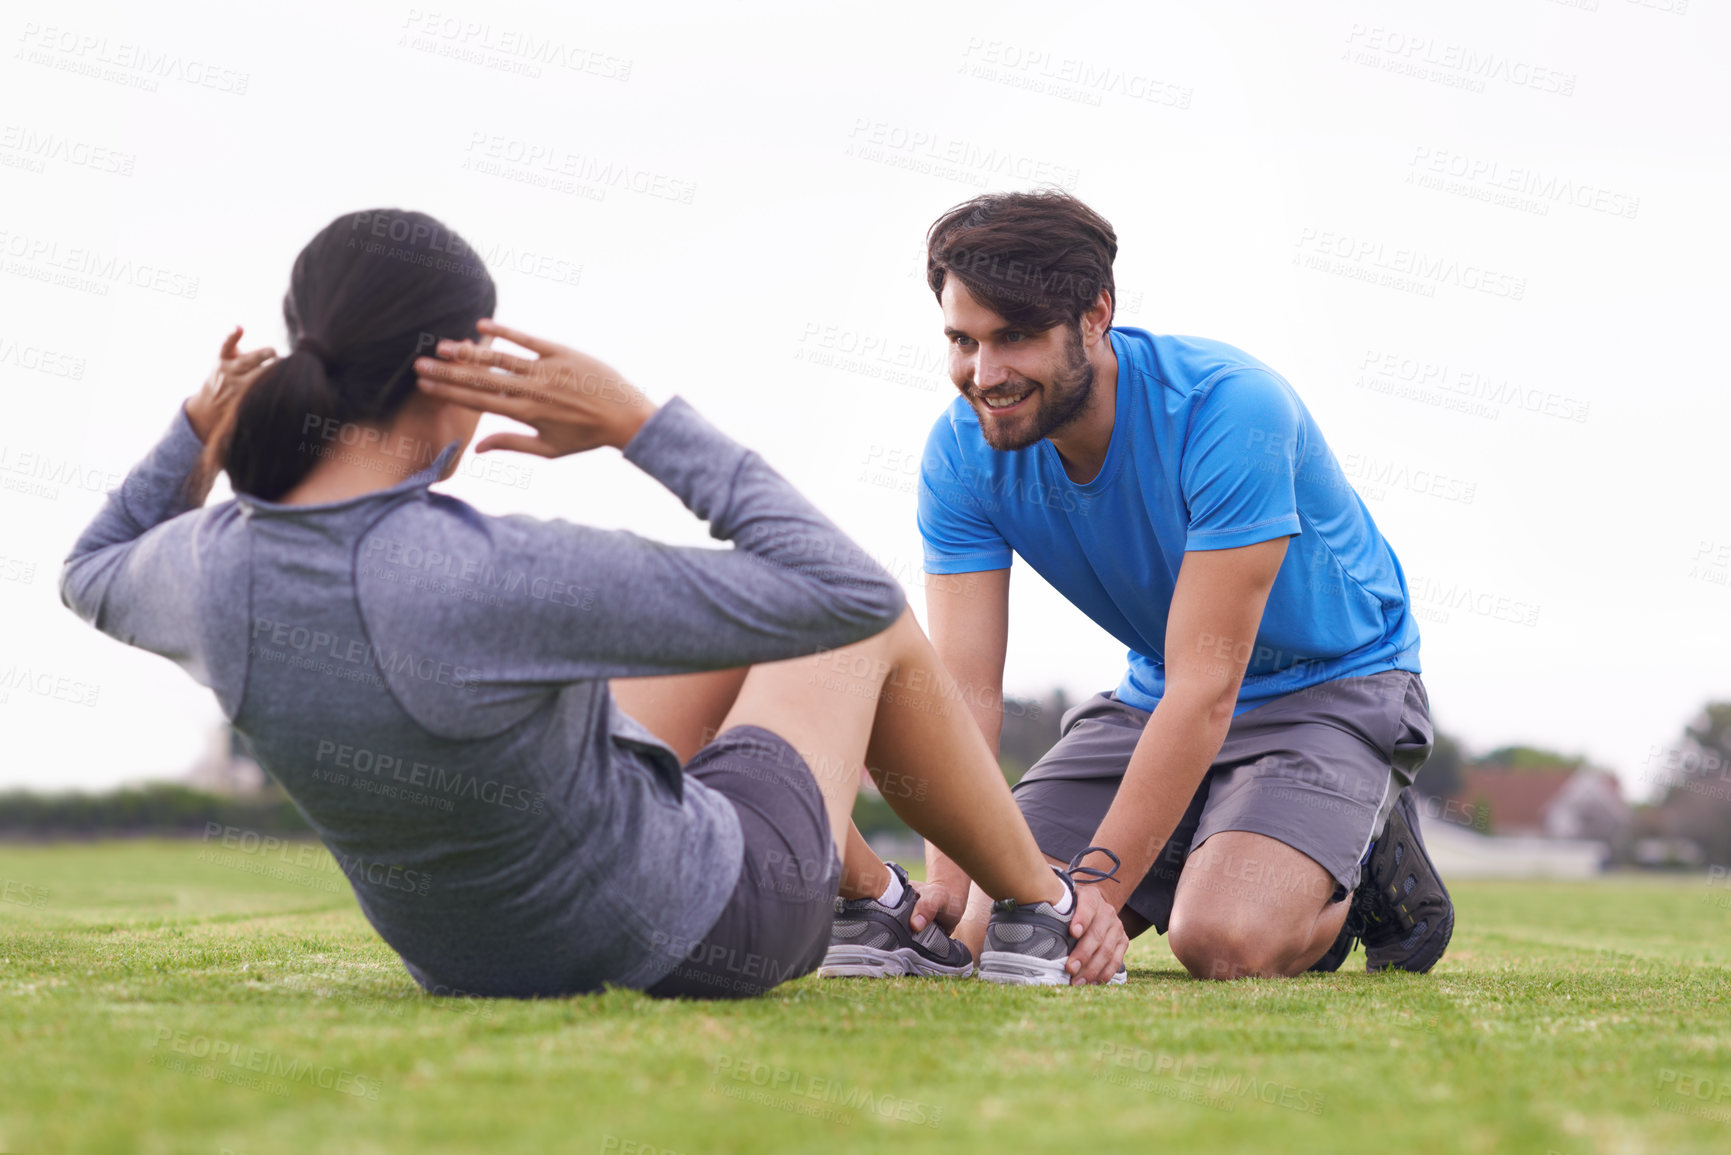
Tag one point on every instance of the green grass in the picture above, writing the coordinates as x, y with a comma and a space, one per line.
1566, 1017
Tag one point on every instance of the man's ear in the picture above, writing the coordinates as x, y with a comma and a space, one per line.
1097, 319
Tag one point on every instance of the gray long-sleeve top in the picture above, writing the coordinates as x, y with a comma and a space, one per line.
428, 684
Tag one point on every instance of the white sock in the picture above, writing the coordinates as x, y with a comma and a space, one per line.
892, 894
1066, 904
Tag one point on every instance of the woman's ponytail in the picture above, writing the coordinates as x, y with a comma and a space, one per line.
282, 426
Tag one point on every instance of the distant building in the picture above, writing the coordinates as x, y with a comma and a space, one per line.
1668, 852
1560, 802
1667, 835
1460, 853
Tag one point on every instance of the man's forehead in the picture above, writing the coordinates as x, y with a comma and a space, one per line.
963, 310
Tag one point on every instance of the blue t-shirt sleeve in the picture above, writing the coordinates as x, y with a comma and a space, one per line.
955, 532
1241, 458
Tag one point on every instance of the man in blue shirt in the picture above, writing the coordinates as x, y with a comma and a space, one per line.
1249, 769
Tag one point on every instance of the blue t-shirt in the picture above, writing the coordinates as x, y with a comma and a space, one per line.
1210, 449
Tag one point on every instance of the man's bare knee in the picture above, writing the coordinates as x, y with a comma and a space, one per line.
1246, 905
1223, 949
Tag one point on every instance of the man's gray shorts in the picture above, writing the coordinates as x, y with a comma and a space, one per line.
1318, 769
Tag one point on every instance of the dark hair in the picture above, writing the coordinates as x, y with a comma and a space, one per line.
369, 294
1037, 259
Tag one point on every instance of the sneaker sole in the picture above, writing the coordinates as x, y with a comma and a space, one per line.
1020, 970
864, 962
1432, 953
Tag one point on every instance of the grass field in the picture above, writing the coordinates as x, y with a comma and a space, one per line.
156, 997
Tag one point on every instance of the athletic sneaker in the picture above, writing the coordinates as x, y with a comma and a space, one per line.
1406, 911
874, 941
1027, 945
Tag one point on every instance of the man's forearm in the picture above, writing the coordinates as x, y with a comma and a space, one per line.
1177, 746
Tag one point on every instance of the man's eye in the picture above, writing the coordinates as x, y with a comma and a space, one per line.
1013, 337
958, 340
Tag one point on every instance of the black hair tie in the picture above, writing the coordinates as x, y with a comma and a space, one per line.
314, 347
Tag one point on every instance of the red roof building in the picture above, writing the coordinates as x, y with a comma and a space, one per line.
1563, 802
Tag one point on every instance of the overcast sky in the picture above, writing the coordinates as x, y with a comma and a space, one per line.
1485, 241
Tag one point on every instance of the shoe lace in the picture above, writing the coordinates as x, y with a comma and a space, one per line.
1079, 874
1378, 921
1075, 874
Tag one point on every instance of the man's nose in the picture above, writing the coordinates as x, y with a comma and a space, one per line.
989, 371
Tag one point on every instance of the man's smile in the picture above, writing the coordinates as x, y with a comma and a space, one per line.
1006, 401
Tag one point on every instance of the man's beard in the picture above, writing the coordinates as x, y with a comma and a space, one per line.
1061, 400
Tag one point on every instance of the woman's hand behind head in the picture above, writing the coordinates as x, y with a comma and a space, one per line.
572, 401
234, 372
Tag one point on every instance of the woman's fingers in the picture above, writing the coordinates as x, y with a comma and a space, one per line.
518, 337
543, 376
522, 443
230, 345
470, 353
485, 400
574, 401
237, 383
247, 362
473, 377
